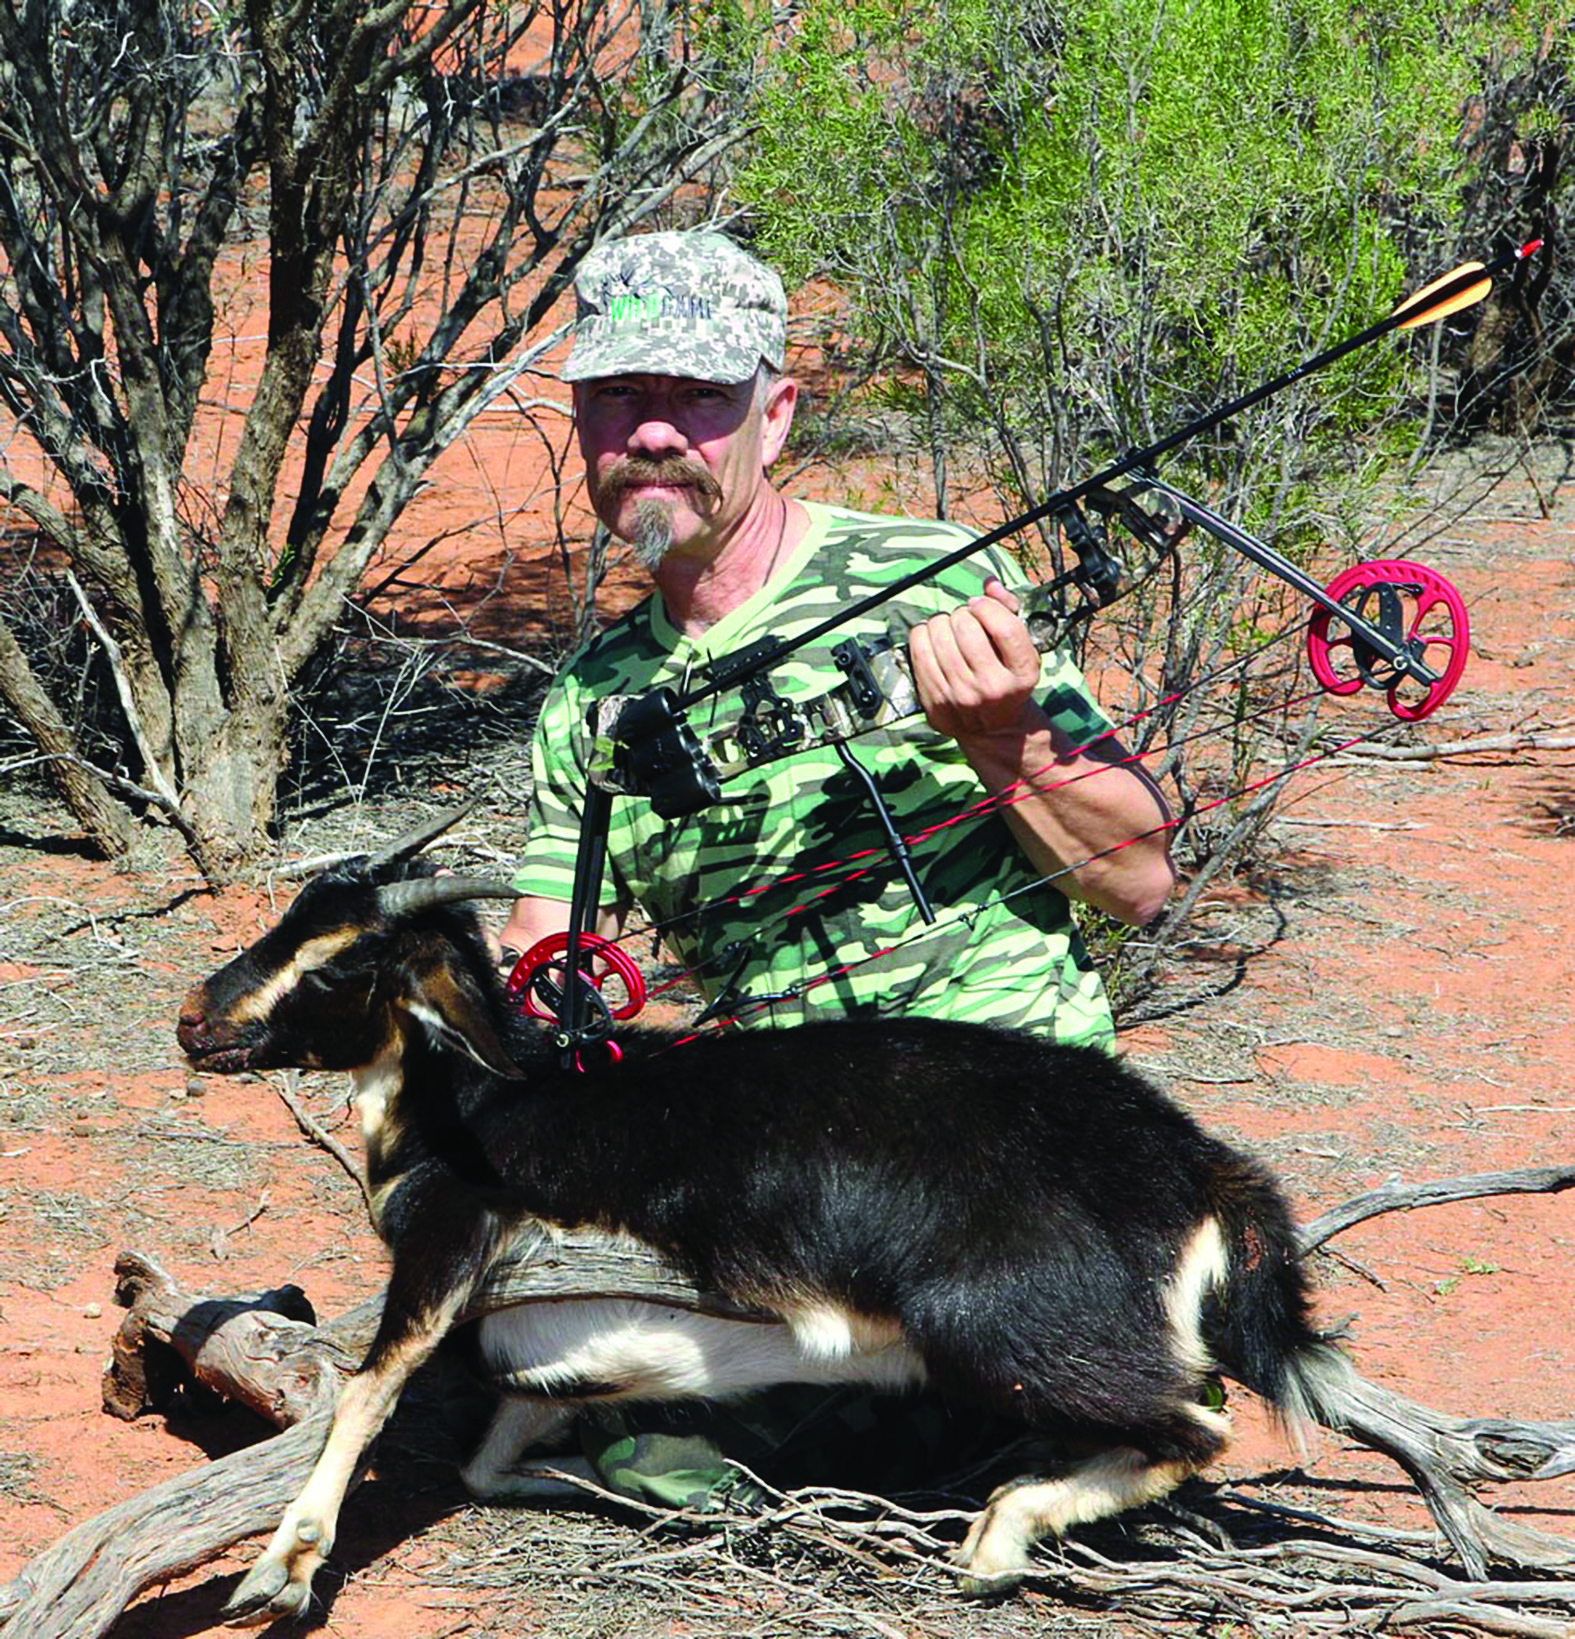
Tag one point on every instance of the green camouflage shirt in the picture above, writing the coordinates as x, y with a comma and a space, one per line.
1019, 963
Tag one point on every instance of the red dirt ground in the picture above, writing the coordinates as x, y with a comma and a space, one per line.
1410, 1019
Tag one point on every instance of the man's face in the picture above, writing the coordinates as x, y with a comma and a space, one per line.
674, 464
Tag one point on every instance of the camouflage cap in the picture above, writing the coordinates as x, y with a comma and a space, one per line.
676, 304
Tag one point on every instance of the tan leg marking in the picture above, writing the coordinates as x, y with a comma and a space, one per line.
280, 1583
995, 1552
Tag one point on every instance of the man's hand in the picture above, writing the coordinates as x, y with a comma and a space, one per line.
533, 920
975, 668
1102, 840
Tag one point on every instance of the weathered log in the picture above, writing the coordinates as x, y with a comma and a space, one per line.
247, 1349
234, 1346
1446, 1456
546, 1265
79, 1586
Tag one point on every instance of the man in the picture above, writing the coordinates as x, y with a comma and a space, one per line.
681, 408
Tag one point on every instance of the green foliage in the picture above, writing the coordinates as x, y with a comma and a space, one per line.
1079, 228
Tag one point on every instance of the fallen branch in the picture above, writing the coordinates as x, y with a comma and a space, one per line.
1397, 1197
1525, 740
1447, 1456
264, 1352
78, 1588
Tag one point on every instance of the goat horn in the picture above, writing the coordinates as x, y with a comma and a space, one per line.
428, 892
412, 842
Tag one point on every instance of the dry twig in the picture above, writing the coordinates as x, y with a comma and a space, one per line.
1482, 745
286, 1086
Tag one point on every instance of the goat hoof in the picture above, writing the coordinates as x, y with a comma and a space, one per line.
986, 1575
997, 1586
266, 1593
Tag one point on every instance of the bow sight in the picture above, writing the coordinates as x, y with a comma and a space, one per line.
1388, 624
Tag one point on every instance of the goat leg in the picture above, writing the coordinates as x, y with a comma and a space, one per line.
280, 1583
993, 1557
435, 1275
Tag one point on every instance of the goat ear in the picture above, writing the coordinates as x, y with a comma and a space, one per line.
449, 1004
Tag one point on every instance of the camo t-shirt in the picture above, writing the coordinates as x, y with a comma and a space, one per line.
785, 889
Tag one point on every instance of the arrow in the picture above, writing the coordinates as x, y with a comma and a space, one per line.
1456, 290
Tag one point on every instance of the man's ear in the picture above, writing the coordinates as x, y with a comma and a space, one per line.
777, 418
448, 1003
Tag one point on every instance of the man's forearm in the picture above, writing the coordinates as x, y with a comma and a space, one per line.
1099, 824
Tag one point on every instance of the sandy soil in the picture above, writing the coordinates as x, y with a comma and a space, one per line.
1386, 995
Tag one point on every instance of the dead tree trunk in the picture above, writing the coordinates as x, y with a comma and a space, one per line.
264, 1352
246, 1348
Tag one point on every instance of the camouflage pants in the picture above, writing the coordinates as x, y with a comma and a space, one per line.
676, 1456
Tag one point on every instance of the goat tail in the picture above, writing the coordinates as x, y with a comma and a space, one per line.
1257, 1315
1317, 1388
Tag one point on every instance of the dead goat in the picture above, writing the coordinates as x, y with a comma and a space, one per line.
1029, 1229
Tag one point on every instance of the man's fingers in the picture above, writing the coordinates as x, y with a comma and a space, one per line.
921, 657
995, 590
974, 642
948, 663
1007, 635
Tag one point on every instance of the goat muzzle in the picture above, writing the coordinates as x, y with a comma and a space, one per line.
200, 1040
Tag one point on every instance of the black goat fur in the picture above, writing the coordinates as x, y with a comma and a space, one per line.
1017, 1209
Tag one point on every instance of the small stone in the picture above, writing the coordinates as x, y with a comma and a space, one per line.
178, 1094
195, 1086
92, 1310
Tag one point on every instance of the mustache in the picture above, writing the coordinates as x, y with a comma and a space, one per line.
633, 470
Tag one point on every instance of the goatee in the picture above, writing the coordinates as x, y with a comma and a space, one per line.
652, 539
652, 535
